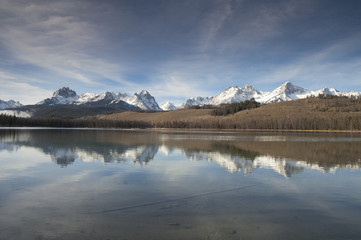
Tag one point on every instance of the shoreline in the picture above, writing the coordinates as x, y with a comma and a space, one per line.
188, 129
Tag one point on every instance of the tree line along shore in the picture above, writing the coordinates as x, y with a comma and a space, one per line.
322, 113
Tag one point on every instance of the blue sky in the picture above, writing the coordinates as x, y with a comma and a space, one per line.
176, 49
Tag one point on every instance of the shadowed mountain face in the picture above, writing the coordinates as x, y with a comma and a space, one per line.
284, 154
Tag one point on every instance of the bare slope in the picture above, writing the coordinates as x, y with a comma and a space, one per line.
157, 117
305, 114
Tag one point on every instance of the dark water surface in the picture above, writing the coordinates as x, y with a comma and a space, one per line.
112, 184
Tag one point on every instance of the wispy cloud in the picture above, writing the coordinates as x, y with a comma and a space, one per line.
212, 23
325, 67
48, 36
26, 93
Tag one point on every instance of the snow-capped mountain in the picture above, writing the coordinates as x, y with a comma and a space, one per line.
143, 100
332, 91
168, 106
92, 97
326, 91
62, 96
196, 101
285, 92
235, 94
9, 104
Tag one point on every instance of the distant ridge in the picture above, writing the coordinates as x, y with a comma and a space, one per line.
286, 92
9, 104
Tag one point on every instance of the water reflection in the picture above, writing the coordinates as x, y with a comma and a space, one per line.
238, 153
108, 184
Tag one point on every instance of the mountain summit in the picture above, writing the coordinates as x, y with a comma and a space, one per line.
285, 92
9, 104
235, 94
144, 101
168, 106
65, 92
61, 96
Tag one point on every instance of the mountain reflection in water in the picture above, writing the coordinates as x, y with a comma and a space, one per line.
286, 154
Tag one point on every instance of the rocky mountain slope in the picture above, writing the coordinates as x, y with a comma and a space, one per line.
286, 92
168, 106
9, 104
142, 100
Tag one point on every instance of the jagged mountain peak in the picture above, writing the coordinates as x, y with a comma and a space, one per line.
290, 88
235, 94
65, 92
108, 95
144, 93
232, 87
329, 89
9, 104
63, 95
168, 106
196, 101
144, 101
248, 87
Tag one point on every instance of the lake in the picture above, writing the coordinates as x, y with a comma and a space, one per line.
144, 184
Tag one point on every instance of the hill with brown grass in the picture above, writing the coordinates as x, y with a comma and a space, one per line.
321, 113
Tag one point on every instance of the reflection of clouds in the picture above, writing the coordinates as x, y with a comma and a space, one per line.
8, 147
21, 159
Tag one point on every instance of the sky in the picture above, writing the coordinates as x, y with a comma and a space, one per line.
176, 49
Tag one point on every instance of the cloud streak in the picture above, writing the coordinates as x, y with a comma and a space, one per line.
41, 35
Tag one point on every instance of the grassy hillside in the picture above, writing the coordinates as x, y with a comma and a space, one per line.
306, 114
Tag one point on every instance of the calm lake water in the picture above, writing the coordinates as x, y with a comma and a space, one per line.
113, 184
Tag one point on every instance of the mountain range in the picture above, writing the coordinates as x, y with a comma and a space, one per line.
142, 100
145, 101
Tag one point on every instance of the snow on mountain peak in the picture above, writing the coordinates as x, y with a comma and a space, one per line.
108, 96
65, 92
248, 87
61, 96
144, 93
168, 106
9, 104
290, 88
285, 92
326, 91
144, 101
235, 94
196, 101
